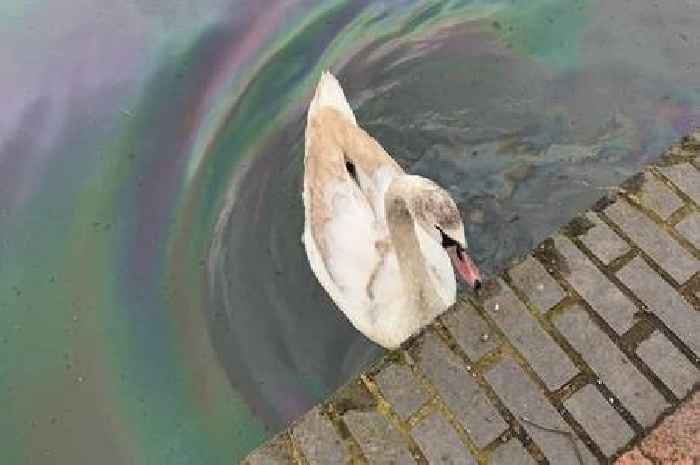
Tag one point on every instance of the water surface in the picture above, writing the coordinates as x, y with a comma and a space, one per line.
155, 302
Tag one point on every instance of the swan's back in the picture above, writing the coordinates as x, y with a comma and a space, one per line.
346, 173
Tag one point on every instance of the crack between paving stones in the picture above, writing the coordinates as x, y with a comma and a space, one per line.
568, 434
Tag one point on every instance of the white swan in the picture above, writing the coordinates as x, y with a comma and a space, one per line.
379, 241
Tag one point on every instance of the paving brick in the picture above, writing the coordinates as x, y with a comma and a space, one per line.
533, 280
275, 452
459, 391
635, 392
603, 241
690, 229
658, 197
591, 284
440, 443
544, 355
511, 453
317, 439
468, 329
655, 242
686, 177
401, 389
524, 399
600, 420
381, 443
671, 366
663, 301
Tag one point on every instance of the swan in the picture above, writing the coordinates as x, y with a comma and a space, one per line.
381, 242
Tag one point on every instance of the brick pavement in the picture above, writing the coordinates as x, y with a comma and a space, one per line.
571, 357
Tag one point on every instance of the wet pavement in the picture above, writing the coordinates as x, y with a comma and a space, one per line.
586, 352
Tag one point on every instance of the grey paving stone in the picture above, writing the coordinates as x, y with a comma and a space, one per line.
603, 241
690, 229
664, 301
318, 441
533, 280
543, 354
401, 389
381, 443
459, 391
671, 366
605, 298
658, 197
655, 242
440, 443
524, 399
635, 392
686, 177
600, 420
468, 329
511, 453
275, 452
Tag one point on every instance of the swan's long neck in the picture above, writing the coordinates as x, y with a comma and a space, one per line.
412, 263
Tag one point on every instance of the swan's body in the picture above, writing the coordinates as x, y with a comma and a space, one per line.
376, 237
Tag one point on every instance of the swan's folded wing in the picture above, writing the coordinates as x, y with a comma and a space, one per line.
346, 236
344, 231
333, 143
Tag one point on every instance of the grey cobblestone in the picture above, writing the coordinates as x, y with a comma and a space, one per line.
401, 389
533, 280
663, 301
655, 242
658, 197
690, 229
635, 392
603, 241
459, 391
511, 453
524, 399
548, 360
600, 420
440, 443
604, 297
318, 441
468, 329
686, 177
381, 443
671, 366
275, 452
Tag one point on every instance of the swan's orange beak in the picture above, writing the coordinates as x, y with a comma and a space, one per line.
464, 266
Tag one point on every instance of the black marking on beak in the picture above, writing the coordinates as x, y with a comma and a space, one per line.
448, 242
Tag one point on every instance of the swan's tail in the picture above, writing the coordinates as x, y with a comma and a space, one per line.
330, 94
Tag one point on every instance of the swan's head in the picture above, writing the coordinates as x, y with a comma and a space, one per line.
436, 213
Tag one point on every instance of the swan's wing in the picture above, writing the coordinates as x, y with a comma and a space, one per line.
369, 164
341, 227
346, 173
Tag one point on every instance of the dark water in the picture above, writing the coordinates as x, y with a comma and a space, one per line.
157, 306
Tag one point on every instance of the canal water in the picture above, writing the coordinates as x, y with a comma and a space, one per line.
155, 301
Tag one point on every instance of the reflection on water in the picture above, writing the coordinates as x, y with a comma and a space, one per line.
156, 303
